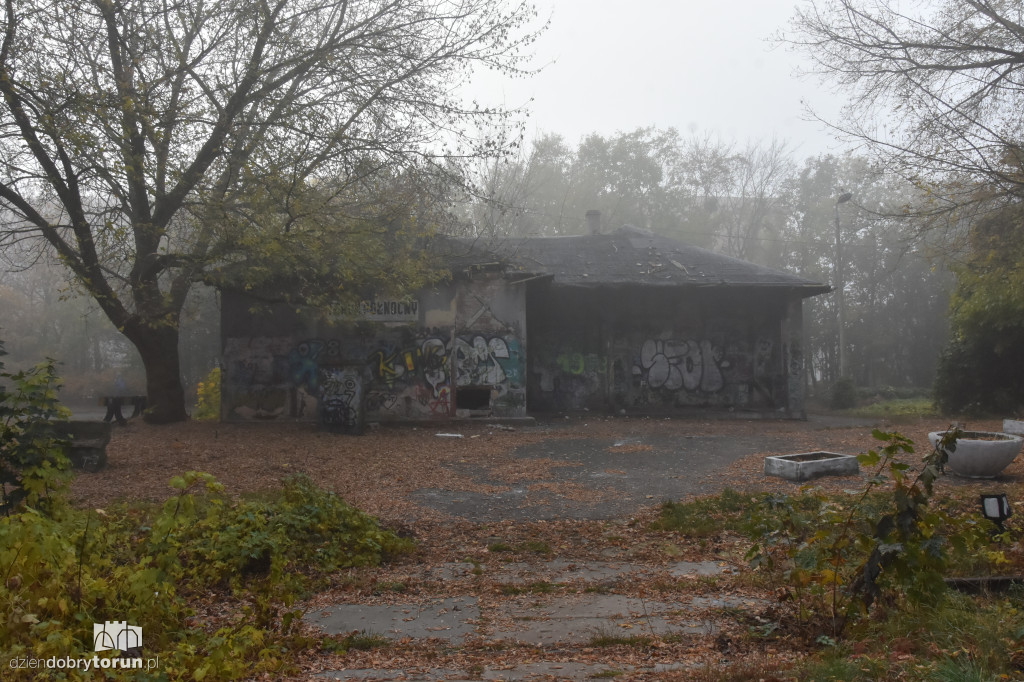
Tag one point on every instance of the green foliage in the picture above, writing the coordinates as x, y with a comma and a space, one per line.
899, 408
839, 557
705, 516
208, 397
33, 466
982, 367
844, 394
146, 566
837, 667
216, 539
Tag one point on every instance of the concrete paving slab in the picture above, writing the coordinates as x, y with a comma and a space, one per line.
564, 571
365, 675
684, 568
622, 476
581, 618
526, 671
450, 619
561, 671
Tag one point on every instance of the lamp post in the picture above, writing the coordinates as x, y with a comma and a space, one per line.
840, 287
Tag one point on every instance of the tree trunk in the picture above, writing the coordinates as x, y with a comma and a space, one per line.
165, 395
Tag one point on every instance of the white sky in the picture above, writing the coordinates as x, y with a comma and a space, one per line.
702, 67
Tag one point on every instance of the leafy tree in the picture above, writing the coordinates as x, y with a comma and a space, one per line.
152, 144
701, 190
896, 295
982, 367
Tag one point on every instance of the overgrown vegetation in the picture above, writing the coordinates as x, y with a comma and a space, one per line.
33, 466
706, 516
155, 567
208, 397
159, 567
981, 370
844, 394
839, 558
861, 575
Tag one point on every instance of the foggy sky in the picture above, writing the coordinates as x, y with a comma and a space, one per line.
701, 67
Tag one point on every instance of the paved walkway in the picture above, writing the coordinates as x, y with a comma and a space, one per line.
554, 610
543, 615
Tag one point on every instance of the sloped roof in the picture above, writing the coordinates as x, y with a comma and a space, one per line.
631, 255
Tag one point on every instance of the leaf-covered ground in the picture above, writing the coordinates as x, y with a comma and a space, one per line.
382, 471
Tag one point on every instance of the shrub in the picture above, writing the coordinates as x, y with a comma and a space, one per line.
844, 394
148, 565
838, 557
33, 466
208, 397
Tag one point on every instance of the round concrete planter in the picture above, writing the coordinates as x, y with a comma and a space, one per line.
980, 454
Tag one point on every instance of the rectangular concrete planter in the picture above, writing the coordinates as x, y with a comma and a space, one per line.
807, 465
1014, 426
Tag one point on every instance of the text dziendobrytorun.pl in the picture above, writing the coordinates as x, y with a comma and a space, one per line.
84, 664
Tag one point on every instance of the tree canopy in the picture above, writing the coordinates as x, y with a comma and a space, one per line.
982, 367
148, 141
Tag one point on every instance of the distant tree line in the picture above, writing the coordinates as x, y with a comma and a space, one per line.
758, 203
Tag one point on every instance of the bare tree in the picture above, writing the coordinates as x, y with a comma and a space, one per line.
936, 89
133, 131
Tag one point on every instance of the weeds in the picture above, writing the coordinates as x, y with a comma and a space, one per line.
839, 557
706, 516
610, 639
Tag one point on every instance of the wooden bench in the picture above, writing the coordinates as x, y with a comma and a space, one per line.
87, 448
114, 403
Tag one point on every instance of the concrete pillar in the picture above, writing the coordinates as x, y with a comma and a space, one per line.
793, 356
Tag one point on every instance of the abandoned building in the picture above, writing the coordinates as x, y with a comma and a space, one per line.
625, 322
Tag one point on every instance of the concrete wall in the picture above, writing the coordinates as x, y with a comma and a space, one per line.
654, 350
457, 350
460, 350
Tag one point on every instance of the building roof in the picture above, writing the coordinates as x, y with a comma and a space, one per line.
631, 255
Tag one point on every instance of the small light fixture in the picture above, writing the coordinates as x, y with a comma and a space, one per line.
996, 508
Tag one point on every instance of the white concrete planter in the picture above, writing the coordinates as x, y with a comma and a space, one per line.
807, 465
980, 454
1014, 426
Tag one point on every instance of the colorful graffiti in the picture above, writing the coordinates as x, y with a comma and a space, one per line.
478, 361
402, 377
573, 380
689, 365
341, 402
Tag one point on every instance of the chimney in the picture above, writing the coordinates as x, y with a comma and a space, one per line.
594, 221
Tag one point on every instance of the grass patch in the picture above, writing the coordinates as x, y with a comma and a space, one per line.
394, 586
500, 547
607, 639
705, 516
537, 547
366, 641
837, 667
896, 409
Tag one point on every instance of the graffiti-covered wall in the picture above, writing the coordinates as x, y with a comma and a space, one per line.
664, 350
457, 350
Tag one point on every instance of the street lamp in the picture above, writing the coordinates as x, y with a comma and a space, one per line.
840, 287
996, 508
